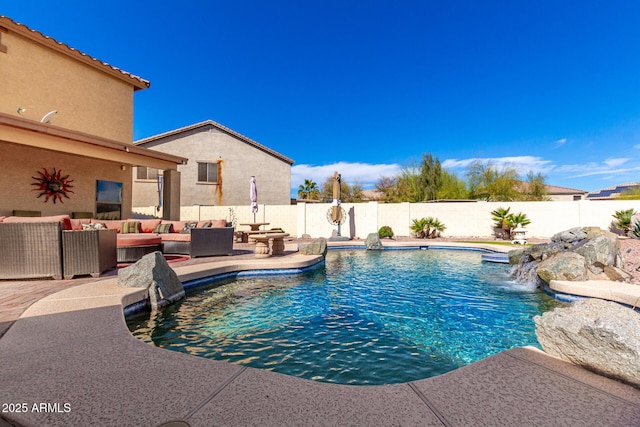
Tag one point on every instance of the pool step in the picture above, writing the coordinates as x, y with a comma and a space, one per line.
496, 257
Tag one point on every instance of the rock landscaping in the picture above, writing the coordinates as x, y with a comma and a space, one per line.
577, 254
599, 335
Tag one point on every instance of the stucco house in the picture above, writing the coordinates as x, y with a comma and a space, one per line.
221, 163
66, 130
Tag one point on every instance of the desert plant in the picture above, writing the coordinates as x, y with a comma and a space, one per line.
635, 230
520, 218
623, 219
433, 227
418, 226
500, 217
385, 232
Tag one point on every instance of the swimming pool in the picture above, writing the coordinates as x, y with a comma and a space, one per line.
367, 317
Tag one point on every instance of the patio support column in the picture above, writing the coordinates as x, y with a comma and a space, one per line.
171, 195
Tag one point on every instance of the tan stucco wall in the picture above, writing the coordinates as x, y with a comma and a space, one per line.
472, 219
40, 80
19, 164
238, 162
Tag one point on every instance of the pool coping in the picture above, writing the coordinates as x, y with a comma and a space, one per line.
73, 347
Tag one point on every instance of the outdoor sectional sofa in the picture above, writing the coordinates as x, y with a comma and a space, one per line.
137, 237
57, 246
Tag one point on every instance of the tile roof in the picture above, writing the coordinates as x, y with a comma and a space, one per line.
220, 127
37, 36
551, 189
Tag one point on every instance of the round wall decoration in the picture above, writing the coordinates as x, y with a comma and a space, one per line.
52, 185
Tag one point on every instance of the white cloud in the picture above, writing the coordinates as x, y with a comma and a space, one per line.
615, 162
522, 164
561, 142
637, 146
364, 174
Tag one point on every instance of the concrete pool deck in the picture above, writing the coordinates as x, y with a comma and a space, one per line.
69, 360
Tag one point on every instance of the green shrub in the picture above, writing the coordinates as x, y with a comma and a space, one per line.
428, 228
385, 231
623, 219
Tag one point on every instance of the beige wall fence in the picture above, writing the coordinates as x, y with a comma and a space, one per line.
462, 219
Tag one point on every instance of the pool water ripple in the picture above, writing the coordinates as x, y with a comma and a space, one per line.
366, 318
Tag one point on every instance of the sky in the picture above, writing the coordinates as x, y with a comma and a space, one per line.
366, 87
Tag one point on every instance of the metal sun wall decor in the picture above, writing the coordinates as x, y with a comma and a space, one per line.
52, 185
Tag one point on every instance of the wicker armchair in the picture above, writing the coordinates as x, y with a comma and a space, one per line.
30, 250
88, 252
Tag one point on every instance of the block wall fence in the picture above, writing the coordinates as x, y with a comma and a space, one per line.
462, 219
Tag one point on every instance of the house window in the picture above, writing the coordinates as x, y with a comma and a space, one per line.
208, 172
146, 173
108, 200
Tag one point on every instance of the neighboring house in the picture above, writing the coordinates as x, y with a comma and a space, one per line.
556, 193
221, 163
612, 192
564, 194
66, 126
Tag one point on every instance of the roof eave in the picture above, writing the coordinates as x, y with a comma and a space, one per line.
223, 129
36, 36
133, 154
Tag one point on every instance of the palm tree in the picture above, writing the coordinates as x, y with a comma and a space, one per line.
309, 190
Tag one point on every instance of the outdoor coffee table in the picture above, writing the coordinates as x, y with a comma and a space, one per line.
262, 244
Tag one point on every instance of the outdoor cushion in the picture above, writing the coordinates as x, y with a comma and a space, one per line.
163, 228
94, 226
128, 227
216, 223
138, 239
78, 224
110, 224
176, 237
188, 226
64, 220
177, 225
148, 225
204, 224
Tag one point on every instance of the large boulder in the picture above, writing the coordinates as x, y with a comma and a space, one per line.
599, 335
373, 242
317, 247
153, 273
563, 266
569, 237
576, 254
597, 249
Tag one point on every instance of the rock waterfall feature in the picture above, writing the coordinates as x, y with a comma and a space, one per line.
577, 254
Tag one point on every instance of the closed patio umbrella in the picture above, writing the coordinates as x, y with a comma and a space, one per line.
253, 194
336, 214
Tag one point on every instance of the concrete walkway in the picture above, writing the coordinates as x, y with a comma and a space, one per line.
69, 360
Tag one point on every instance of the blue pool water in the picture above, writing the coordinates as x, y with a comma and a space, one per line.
365, 318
